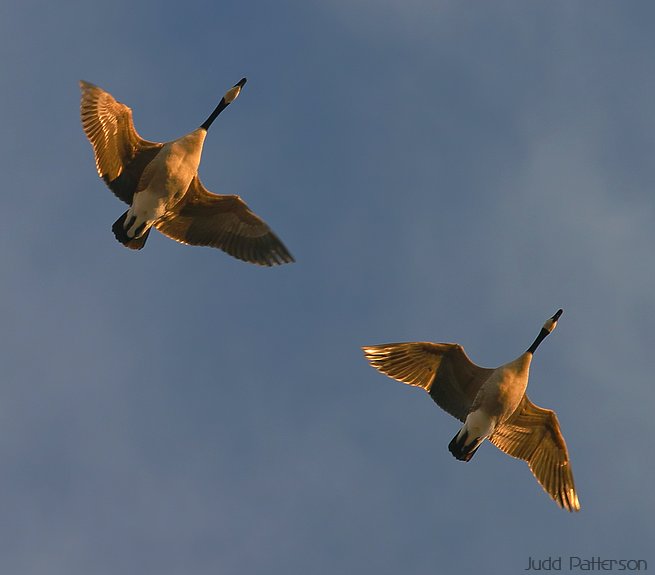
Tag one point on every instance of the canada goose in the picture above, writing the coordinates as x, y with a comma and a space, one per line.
160, 183
492, 404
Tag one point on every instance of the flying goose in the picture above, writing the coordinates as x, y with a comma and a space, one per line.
492, 404
160, 183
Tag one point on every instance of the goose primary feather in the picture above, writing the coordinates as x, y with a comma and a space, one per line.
160, 183
491, 403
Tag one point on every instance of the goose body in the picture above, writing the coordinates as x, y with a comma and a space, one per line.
495, 401
164, 181
160, 183
491, 403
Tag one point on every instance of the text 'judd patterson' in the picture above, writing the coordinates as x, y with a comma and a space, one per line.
575, 563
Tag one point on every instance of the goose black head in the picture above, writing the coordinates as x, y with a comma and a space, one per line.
234, 91
229, 97
551, 322
547, 328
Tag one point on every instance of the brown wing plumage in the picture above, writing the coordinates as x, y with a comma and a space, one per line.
532, 433
121, 154
224, 222
442, 369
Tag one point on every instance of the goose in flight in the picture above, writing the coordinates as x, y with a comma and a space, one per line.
492, 404
161, 185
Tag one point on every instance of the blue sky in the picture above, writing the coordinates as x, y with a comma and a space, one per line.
442, 171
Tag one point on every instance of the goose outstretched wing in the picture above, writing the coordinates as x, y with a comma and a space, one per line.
225, 222
121, 154
442, 369
532, 433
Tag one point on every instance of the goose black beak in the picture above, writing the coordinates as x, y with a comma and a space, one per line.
241, 83
557, 314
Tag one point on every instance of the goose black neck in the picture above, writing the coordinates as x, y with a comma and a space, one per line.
221, 106
535, 344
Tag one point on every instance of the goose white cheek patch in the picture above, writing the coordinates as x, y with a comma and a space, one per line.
550, 325
232, 94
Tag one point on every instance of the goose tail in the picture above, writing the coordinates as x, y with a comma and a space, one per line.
462, 447
121, 235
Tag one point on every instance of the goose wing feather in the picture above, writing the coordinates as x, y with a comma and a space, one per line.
121, 154
533, 434
225, 222
442, 369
